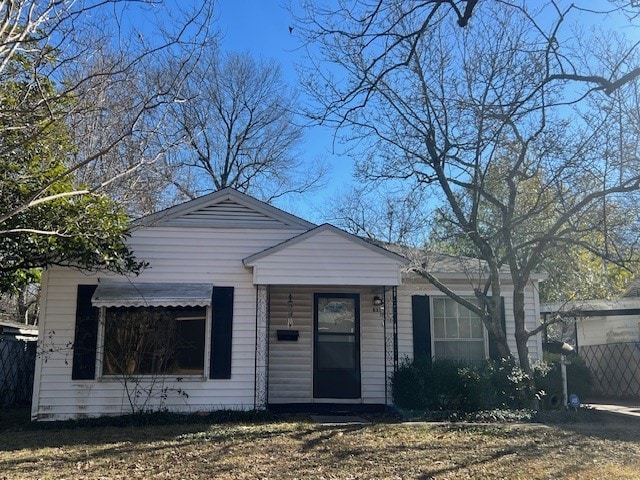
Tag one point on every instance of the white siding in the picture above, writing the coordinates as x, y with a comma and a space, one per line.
609, 329
326, 258
533, 291
174, 255
291, 363
405, 318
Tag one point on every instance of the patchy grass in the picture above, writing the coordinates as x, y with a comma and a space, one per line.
596, 445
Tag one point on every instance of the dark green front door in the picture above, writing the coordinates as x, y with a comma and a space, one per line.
336, 359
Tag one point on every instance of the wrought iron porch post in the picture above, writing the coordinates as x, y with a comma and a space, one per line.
390, 327
394, 295
261, 370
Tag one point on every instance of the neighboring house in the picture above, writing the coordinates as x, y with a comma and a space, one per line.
599, 322
245, 306
606, 334
10, 330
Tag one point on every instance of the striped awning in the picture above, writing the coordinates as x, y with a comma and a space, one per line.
112, 294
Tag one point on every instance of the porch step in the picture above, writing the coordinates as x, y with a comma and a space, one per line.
339, 420
332, 409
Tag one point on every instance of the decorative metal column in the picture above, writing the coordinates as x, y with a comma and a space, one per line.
390, 325
394, 300
261, 373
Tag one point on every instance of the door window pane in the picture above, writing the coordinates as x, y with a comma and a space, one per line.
336, 315
336, 351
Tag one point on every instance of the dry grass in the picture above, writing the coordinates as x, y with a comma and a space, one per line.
594, 448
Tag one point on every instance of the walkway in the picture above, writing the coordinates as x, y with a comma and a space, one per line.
621, 407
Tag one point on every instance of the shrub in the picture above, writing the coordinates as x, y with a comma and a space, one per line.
448, 385
408, 384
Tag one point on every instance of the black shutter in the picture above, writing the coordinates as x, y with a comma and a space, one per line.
421, 326
221, 329
86, 335
494, 353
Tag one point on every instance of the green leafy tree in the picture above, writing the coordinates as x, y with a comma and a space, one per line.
575, 271
45, 219
577, 274
77, 118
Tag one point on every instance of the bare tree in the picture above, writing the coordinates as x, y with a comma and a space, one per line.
387, 215
65, 41
237, 119
449, 107
111, 116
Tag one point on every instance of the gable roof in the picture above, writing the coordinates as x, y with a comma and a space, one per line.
249, 261
224, 208
449, 266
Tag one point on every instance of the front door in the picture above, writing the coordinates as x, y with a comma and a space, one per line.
336, 359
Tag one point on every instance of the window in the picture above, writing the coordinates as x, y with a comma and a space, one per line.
154, 340
458, 334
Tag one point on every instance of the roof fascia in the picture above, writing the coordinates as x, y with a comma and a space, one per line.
156, 219
250, 261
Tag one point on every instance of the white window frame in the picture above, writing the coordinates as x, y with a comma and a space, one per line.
100, 376
485, 333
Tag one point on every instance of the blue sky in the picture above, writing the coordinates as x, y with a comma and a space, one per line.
262, 28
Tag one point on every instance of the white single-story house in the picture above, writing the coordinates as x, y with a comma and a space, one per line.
245, 306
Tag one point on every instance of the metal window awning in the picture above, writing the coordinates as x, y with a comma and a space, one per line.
111, 294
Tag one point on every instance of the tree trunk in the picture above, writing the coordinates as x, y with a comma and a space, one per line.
522, 336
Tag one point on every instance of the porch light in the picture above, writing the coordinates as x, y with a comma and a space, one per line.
377, 301
290, 312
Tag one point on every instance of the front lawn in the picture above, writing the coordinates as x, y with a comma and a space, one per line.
596, 446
